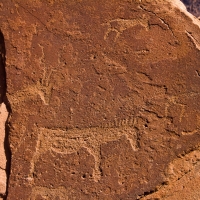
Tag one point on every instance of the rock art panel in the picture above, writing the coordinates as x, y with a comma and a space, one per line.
104, 97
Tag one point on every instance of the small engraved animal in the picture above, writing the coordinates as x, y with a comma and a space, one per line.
120, 25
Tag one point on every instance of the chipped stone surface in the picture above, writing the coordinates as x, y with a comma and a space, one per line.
3, 118
3, 160
104, 98
3, 181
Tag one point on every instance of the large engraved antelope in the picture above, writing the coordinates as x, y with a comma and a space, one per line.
70, 141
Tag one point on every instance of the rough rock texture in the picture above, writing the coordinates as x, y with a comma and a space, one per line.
183, 179
105, 99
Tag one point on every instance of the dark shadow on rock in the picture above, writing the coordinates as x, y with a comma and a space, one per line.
193, 6
3, 99
2, 68
186, 2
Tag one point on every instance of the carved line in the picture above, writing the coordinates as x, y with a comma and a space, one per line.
193, 39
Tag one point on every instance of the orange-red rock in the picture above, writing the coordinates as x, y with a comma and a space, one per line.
104, 96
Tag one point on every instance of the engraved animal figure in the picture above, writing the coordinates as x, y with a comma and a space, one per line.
49, 194
43, 88
70, 141
120, 25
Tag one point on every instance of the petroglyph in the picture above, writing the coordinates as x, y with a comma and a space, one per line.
120, 25
127, 122
190, 132
193, 39
42, 88
49, 194
173, 100
70, 141
106, 65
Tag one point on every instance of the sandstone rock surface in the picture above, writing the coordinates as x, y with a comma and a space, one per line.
3, 159
104, 98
